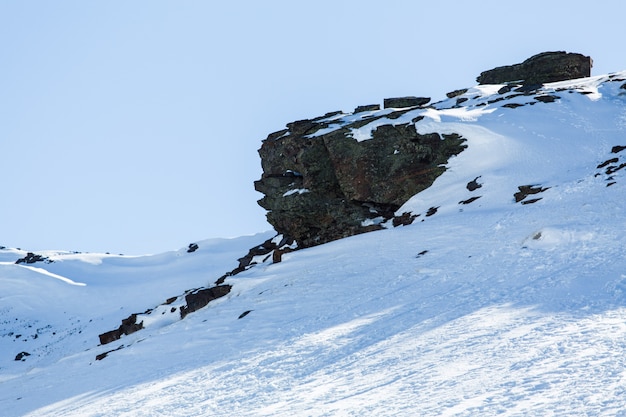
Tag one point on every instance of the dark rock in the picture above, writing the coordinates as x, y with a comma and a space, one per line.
368, 107
455, 93
244, 314
617, 149
528, 88
192, 247
613, 169
21, 356
531, 201
526, 190
504, 89
348, 183
201, 298
542, 68
31, 258
473, 184
547, 98
404, 220
512, 105
431, 211
607, 162
409, 101
129, 326
103, 355
469, 200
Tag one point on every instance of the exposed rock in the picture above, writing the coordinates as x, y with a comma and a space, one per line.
455, 93
542, 68
404, 219
201, 298
31, 258
368, 107
526, 190
401, 102
21, 356
469, 200
129, 325
473, 184
547, 98
192, 247
322, 188
244, 314
617, 148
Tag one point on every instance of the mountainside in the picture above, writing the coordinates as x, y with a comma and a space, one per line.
498, 289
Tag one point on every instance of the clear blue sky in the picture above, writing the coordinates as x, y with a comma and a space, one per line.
133, 126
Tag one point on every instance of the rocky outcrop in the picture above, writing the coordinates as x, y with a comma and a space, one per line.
542, 68
321, 187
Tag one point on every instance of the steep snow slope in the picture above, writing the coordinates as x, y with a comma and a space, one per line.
489, 307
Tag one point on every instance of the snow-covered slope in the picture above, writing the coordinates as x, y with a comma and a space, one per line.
482, 306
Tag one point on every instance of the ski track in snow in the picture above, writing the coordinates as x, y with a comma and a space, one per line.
508, 309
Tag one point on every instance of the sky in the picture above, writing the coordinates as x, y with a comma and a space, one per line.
133, 127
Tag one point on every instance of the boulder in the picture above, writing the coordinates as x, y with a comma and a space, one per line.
542, 68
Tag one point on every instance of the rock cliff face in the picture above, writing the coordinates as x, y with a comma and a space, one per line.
324, 186
542, 68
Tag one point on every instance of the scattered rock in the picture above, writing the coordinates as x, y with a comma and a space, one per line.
456, 93
526, 190
31, 258
617, 149
512, 105
469, 200
404, 220
22, 356
105, 354
401, 102
431, 211
473, 185
547, 98
542, 68
201, 298
368, 107
244, 314
531, 201
129, 325
504, 90
607, 162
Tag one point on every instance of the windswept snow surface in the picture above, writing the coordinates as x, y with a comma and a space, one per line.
486, 308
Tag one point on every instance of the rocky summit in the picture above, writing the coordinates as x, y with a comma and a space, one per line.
347, 173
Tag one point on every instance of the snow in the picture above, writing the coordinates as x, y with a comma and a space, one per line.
296, 191
487, 308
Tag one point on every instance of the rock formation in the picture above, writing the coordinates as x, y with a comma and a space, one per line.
542, 68
324, 186
322, 180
